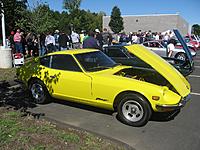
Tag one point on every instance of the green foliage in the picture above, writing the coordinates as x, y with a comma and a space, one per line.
13, 11
71, 5
116, 21
85, 20
196, 29
42, 19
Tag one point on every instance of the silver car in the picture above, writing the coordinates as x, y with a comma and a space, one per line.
161, 50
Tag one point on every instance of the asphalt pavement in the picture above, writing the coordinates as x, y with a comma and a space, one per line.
180, 131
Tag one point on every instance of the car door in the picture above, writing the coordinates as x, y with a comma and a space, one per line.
71, 82
157, 48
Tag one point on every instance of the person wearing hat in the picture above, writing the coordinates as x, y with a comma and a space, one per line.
99, 38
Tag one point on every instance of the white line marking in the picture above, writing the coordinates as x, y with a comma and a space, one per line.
196, 76
195, 93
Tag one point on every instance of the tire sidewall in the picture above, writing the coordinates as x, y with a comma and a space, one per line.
46, 93
144, 104
182, 55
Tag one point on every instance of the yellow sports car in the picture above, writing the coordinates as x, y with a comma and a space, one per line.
89, 76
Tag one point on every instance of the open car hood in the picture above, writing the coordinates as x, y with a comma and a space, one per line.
185, 47
176, 79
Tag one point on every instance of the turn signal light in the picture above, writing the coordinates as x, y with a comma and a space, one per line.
156, 98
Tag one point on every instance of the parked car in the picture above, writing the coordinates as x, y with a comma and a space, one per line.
90, 77
121, 54
192, 40
161, 50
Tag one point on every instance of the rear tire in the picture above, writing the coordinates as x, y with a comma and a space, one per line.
39, 92
134, 110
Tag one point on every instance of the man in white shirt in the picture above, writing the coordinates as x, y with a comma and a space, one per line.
50, 43
171, 47
75, 40
134, 38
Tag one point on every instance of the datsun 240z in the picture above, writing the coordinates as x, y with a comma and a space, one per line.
90, 77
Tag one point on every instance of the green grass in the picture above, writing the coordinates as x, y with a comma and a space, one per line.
21, 133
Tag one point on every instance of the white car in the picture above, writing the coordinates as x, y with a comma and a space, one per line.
161, 50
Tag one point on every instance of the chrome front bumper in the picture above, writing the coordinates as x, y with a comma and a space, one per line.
174, 107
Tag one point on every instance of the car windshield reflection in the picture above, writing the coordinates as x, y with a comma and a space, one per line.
95, 61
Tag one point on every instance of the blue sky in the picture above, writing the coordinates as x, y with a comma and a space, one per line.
188, 9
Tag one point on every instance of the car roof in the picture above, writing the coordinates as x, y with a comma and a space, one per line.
73, 51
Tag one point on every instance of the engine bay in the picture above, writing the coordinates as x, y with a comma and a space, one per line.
144, 74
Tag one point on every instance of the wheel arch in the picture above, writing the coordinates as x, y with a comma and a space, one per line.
118, 97
31, 80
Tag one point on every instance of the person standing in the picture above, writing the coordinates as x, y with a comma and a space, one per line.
42, 48
56, 36
63, 41
18, 43
11, 40
90, 41
82, 36
50, 43
29, 42
134, 38
75, 40
99, 38
107, 37
171, 47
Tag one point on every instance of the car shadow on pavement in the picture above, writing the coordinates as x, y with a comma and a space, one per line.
156, 116
84, 107
164, 116
16, 97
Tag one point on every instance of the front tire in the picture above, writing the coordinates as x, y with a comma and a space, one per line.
39, 92
134, 110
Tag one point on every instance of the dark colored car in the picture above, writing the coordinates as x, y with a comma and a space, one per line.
120, 54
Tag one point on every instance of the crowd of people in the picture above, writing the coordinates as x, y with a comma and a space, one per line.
31, 44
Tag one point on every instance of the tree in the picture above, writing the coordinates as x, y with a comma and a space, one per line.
13, 10
42, 19
116, 21
71, 5
196, 29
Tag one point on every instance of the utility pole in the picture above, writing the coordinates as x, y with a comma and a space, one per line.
5, 52
3, 25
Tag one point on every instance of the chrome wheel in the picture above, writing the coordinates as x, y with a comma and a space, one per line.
132, 111
181, 56
37, 92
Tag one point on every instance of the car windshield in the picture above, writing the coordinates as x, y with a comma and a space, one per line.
95, 61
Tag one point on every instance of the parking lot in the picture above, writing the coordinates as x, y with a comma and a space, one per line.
177, 131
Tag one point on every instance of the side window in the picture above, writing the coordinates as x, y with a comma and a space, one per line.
44, 61
114, 52
64, 62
